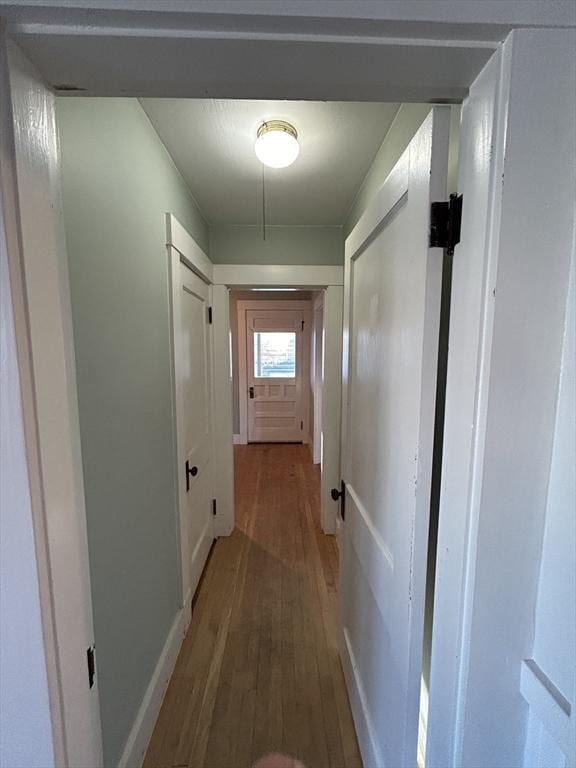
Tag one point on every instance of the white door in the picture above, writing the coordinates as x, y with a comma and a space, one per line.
392, 309
193, 372
275, 371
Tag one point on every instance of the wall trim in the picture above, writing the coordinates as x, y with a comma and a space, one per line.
141, 732
237, 439
549, 704
358, 705
178, 237
288, 275
223, 465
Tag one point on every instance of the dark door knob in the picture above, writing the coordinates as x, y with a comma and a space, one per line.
190, 471
340, 495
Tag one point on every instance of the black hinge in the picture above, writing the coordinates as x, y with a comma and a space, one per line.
445, 224
302, 324
210, 315
301, 425
213, 506
91, 661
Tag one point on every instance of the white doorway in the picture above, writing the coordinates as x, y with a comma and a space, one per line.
273, 360
317, 376
234, 288
194, 377
518, 79
275, 375
194, 428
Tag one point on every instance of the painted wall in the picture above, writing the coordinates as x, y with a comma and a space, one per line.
25, 728
407, 121
283, 245
555, 630
235, 297
118, 182
555, 637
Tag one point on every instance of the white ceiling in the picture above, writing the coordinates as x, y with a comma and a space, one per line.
212, 144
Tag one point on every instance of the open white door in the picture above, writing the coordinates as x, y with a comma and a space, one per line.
392, 308
193, 383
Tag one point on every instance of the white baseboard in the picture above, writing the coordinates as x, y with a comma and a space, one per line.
237, 439
141, 733
187, 612
359, 706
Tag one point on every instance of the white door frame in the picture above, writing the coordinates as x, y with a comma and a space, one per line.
242, 307
317, 364
182, 248
35, 241
30, 104
516, 109
329, 279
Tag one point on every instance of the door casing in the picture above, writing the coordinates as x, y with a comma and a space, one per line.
181, 248
328, 279
462, 529
317, 378
243, 307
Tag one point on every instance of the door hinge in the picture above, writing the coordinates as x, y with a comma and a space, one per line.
301, 425
214, 507
91, 662
302, 324
445, 224
210, 315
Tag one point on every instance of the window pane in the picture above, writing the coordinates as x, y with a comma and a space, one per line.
274, 355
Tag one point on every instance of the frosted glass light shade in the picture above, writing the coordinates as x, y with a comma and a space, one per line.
277, 144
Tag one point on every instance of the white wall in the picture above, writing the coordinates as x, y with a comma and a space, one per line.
555, 637
510, 289
551, 739
529, 304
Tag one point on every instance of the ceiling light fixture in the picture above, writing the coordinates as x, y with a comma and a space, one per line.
277, 144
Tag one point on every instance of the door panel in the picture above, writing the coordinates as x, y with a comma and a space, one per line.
194, 367
393, 306
275, 369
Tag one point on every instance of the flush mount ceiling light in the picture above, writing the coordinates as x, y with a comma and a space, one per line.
277, 144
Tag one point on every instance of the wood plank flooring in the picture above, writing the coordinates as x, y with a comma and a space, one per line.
259, 669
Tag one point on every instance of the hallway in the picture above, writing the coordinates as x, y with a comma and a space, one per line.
259, 669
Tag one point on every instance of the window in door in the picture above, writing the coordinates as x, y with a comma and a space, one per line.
274, 355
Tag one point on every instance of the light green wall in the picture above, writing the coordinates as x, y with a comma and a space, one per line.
407, 121
118, 181
239, 244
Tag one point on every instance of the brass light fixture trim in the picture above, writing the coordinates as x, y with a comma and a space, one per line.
277, 125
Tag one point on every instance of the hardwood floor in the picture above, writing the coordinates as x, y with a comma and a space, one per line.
259, 669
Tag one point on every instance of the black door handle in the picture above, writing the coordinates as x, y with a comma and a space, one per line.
340, 495
251, 392
190, 471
